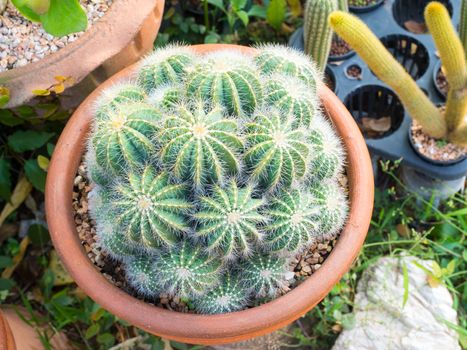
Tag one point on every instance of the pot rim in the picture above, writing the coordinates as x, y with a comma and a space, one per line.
110, 34
196, 328
7, 342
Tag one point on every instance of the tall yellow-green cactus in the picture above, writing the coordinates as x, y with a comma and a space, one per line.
452, 57
386, 68
463, 25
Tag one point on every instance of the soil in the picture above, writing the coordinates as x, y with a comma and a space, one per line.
354, 72
303, 266
329, 82
439, 150
23, 42
339, 47
442, 83
362, 3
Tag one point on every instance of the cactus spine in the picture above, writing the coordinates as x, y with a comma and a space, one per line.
207, 174
453, 58
386, 68
316, 30
463, 26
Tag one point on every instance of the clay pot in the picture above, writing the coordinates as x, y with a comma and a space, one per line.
193, 328
15, 334
120, 38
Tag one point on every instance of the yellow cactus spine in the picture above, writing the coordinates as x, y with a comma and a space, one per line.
387, 69
452, 57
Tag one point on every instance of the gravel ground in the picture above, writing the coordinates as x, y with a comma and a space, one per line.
434, 149
304, 265
23, 42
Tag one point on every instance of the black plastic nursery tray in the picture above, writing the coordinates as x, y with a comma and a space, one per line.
368, 97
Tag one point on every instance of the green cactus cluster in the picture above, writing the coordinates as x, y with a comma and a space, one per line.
211, 172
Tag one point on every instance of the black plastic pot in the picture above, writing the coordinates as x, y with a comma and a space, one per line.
364, 9
371, 98
435, 80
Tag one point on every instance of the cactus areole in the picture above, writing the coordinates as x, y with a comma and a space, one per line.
207, 179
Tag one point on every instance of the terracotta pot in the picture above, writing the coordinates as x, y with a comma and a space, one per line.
120, 38
205, 329
15, 334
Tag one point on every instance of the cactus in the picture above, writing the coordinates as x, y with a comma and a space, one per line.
140, 275
453, 58
291, 95
265, 275
277, 152
186, 271
228, 220
149, 209
166, 97
292, 221
327, 155
116, 95
212, 172
463, 26
168, 65
343, 5
123, 136
201, 147
226, 78
329, 198
282, 60
316, 30
228, 296
386, 68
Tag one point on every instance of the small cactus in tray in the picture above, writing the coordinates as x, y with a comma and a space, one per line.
209, 177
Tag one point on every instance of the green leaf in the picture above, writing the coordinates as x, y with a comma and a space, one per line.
64, 17
38, 234
35, 174
25, 111
5, 179
4, 96
451, 267
5, 261
8, 118
211, 38
29, 140
6, 283
257, 11
405, 273
217, 3
92, 331
25, 10
275, 14
43, 162
106, 339
50, 149
243, 17
238, 4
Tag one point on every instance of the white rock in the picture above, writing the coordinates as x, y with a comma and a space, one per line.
383, 323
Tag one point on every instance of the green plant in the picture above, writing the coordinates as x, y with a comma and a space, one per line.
343, 5
227, 79
463, 26
316, 30
196, 160
228, 296
451, 125
266, 276
58, 18
228, 220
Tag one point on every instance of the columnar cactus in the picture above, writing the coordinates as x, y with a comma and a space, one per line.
451, 125
227, 79
463, 25
453, 58
316, 30
211, 172
343, 5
